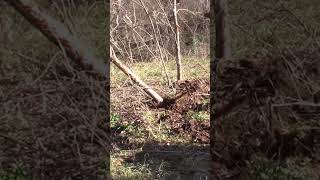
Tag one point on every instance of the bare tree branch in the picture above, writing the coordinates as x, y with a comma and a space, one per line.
177, 31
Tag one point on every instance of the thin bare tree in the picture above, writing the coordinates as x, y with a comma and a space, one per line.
177, 33
156, 39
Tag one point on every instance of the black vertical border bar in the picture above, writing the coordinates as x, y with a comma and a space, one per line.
107, 31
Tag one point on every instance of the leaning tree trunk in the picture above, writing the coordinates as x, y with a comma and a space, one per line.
60, 35
71, 45
178, 56
134, 78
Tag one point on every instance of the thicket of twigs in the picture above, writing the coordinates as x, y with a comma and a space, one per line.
144, 30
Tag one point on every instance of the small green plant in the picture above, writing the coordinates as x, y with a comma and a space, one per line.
114, 119
198, 116
148, 116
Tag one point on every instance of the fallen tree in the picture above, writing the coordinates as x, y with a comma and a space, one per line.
56, 32
134, 77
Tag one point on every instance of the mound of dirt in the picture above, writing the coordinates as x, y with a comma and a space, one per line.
192, 97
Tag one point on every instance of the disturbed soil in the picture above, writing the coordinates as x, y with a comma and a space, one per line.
191, 95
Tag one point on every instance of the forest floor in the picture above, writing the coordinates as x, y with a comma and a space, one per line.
161, 143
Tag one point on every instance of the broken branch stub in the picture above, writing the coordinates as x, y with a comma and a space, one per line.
134, 77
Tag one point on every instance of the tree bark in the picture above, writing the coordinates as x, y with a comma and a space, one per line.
134, 78
223, 40
178, 54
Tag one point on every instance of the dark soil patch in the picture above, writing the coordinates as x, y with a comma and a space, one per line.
192, 96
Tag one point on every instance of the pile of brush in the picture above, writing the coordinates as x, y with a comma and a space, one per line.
268, 104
